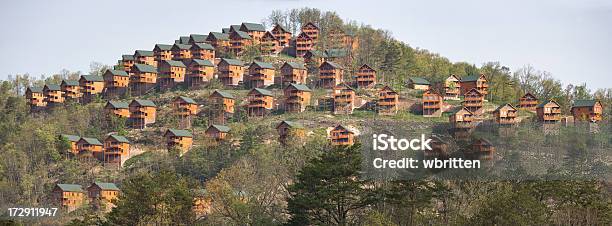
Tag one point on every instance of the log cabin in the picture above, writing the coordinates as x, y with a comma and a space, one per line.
482, 145
587, 110
506, 114
388, 101
217, 132
342, 136
452, 88
203, 51
255, 31
72, 140
36, 98
260, 102
91, 86
171, 73
314, 57
199, 72
269, 44
439, 148
231, 71
68, 196
418, 83
297, 97
118, 109
196, 38
71, 90
473, 100
260, 74
462, 118
330, 75
145, 57
142, 113
103, 194
292, 72
432, 104
479, 82
528, 102
116, 149
239, 41
143, 79
549, 112
116, 83
325, 103
303, 44
53, 95
127, 61
282, 34
222, 103
184, 106
218, 40
365, 77
180, 139
289, 130
311, 30
162, 52
181, 52
90, 148
344, 99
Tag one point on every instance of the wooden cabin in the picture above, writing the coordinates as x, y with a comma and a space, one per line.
117, 108
181, 139
587, 110
388, 101
549, 111
171, 73
483, 145
282, 34
311, 30
221, 105
196, 38
418, 83
325, 103
90, 148
203, 51
303, 44
452, 88
439, 148
314, 57
528, 102
71, 90
231, 71
330, 75
365, 77
292, 72
255, 31
53, 95
341, 135
218, 40
106, 193
217, 132
116, 83
261, 74
36, 98
116, 149
478, 82
506, 114
344, 99
199, 73
142, 113
432, 104
297, 97
473, 100
127, 61
68, 196
162, 52
91, 86
239, 41
72, 139
145, 57
260, 102
143, 79
289, 130
184, 106
462, 118
338, 55
270, 44
181, 52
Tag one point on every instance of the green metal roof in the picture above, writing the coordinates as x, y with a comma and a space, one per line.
181, 46
198, 46
224, 94
70, 187
233, 61
200, 62
292, 124
503, 105
163, 47
263, 64
336, 53
221, 128
197, 37
419, 81
179, 132
264, 92
144, 53
107, 186
546, 102
584, 103
174, 63
92, 78
92, 141
184, 40
471, 78
234, 27
70, 82
187, 100
118, 104
281, 27
242, 34
118, 72
225, 30
53, 87
332, 64
295, 65
73, 138
127, 57
219, 36
317, 53
144, 103
121, 139
300, 87
145, 68
36, 89
252, 27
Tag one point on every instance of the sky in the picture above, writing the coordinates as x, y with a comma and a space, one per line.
572, 39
